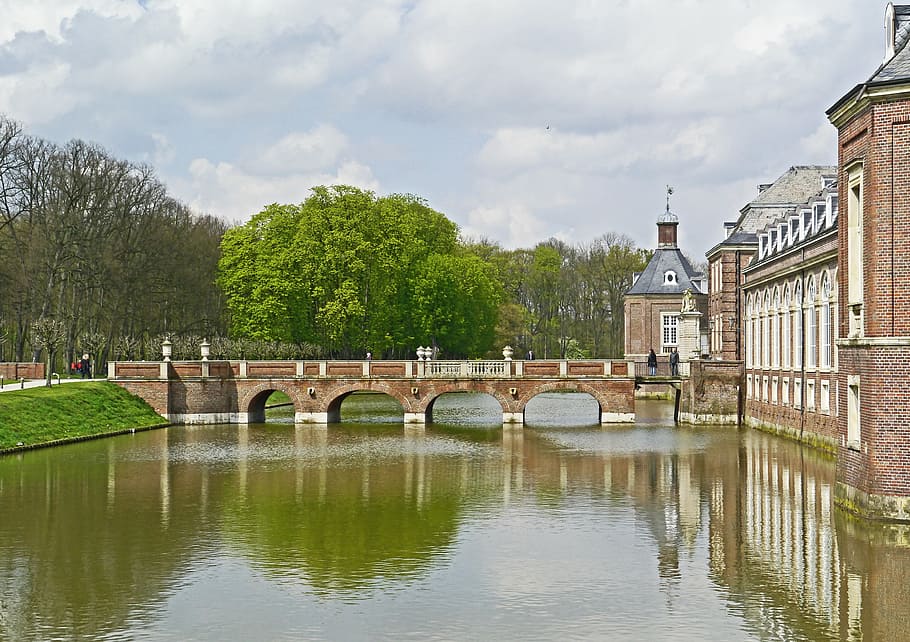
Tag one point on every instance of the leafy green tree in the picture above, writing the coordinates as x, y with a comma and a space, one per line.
347, 270
455, 302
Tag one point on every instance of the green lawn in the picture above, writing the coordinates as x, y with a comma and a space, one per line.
73, 410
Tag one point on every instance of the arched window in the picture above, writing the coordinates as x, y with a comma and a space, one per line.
796, 316
811, 317
749, 316
766, 331
825, 354
775, 329
785, 328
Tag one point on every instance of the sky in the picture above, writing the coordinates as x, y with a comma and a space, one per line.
520, 120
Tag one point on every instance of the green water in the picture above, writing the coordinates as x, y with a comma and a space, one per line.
370, 530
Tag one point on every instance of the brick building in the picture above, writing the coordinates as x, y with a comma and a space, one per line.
790, 311
873, 283
653, 303
728, 259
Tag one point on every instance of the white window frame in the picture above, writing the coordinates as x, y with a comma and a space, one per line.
669, 327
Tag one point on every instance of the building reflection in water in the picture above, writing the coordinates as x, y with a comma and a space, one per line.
338, 513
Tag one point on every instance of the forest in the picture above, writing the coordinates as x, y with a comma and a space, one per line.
98, 258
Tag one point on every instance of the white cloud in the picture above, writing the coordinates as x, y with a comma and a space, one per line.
283, 172
304, 151
450, 100
39, 95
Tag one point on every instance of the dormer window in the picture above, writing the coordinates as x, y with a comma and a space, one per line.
832, 210
819, 209
828, 181
670, 278
806, 224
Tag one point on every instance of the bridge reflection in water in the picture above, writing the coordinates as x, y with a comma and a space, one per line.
346, 515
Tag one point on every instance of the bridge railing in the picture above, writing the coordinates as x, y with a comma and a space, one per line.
545, 368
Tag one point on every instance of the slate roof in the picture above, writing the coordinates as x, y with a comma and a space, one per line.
892, 71
797, 185
651, 280
898, 67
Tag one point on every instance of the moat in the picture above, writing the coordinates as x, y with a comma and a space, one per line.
467, 530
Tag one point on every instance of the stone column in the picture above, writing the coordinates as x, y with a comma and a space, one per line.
689, 335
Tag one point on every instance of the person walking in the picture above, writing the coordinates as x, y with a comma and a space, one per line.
674, 363
85, 367
652, 363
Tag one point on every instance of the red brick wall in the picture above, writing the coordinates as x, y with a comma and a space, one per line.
880, 137
882, 464
15, 370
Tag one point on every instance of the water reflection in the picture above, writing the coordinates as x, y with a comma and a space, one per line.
462, 531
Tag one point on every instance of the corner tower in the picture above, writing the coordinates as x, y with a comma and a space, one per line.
654, 302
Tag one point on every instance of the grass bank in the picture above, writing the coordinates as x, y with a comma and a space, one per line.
69, 412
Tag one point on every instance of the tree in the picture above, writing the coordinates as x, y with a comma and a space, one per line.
342, 270
455, 302
48, 335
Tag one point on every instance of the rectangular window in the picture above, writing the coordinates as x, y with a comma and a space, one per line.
797, 393
855, 249
785, 391
669, 336
797, 339
853, 412
764, 388
810, 394
824, 396
749, 386
774, 390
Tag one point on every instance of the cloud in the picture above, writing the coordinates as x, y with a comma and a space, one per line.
303, 151
283, 172
249, 103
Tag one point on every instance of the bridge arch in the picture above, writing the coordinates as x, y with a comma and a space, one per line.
252, 401
564, 386
505, 403
336, 395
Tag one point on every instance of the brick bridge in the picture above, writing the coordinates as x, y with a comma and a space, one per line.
193, 392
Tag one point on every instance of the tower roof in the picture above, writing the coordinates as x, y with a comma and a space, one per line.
654, 278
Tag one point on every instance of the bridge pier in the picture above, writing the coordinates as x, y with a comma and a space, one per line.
415, 418
311, 418
513, 418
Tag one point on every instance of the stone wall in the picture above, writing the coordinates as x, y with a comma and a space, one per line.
711, 394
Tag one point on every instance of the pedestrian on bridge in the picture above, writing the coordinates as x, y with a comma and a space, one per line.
652, 363
674, 363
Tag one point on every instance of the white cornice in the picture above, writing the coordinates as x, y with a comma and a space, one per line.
866, 96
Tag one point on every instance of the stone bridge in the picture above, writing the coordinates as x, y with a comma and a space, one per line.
194, 392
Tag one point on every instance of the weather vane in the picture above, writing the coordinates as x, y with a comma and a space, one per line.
669, 191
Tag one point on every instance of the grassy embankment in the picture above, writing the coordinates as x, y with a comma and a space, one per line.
69, 412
